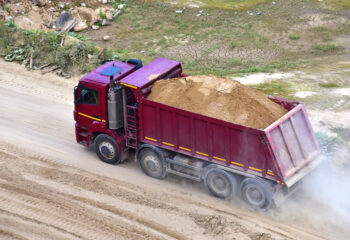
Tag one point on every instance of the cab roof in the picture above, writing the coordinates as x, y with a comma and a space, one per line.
101, 74
126, 75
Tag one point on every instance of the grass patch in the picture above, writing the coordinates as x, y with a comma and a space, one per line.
334, 4
329, 85
275, 87
326, 47
294, 37
240, 5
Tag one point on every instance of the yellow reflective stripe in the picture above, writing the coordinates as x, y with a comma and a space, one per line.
128, 85
270, 173
186, 149
152, 139
169, 144
238, 164
97, 119
220, 159
256, 169
202, 154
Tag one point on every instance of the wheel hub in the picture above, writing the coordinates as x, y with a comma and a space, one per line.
255, 196
107, 150
152, 163
219, 183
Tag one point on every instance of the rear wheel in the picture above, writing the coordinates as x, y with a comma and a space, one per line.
152, 164
107, 149
220, 183
256, 193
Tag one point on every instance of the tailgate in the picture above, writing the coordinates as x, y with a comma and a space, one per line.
294, 144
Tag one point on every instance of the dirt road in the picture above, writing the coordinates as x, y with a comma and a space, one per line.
52, 188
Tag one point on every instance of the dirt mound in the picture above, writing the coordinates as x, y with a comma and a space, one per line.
220, 98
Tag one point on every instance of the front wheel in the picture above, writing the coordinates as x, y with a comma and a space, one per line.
107, 149
152, 164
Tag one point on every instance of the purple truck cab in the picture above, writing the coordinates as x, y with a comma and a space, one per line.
263, 166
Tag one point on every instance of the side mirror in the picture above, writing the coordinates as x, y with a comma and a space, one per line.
76, 100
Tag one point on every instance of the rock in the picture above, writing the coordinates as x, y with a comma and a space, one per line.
4, 15
198, 15
31, 22
87, 15
83, 4
259, 13
14, 9
179, 11
40, 3
63, 19
193, 5
69, 40
273, 3
116, 13
109, 16
106, 38
105, 22
80, 26
121, 6
104, 1
95, 27
62, 5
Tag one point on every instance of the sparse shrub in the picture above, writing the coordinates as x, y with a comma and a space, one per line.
102, 14
329, 85
232, 45
294, 37
326, 47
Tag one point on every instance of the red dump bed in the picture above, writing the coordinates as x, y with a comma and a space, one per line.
284, 152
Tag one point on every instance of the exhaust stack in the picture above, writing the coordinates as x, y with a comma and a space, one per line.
115, 105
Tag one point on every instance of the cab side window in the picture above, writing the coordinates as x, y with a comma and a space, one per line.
88, 96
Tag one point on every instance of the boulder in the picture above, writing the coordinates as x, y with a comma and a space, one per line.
87, 15
80, 26
4, 15
69, 40
63, 19
32, 22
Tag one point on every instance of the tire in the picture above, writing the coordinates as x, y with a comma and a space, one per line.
220, 183
256, 193
151, 163
107, 149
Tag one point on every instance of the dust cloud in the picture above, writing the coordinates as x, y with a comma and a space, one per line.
323, 200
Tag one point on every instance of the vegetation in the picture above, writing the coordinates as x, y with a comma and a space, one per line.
37, 48
329, 85
275, 87
294, 37
326, 47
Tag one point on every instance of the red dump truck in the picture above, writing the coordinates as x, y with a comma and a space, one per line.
262, 166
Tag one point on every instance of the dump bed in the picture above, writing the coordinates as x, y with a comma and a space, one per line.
284, 152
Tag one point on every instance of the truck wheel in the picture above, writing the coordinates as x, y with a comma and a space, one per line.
256, 193
152, 164
220, 183
107, 149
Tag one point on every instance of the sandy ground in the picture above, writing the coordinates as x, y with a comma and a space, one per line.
53, 188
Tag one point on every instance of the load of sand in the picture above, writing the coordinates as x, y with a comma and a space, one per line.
220, 98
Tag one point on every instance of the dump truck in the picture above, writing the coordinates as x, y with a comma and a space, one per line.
262, 166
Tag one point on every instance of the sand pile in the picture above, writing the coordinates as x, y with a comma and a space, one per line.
220, 98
